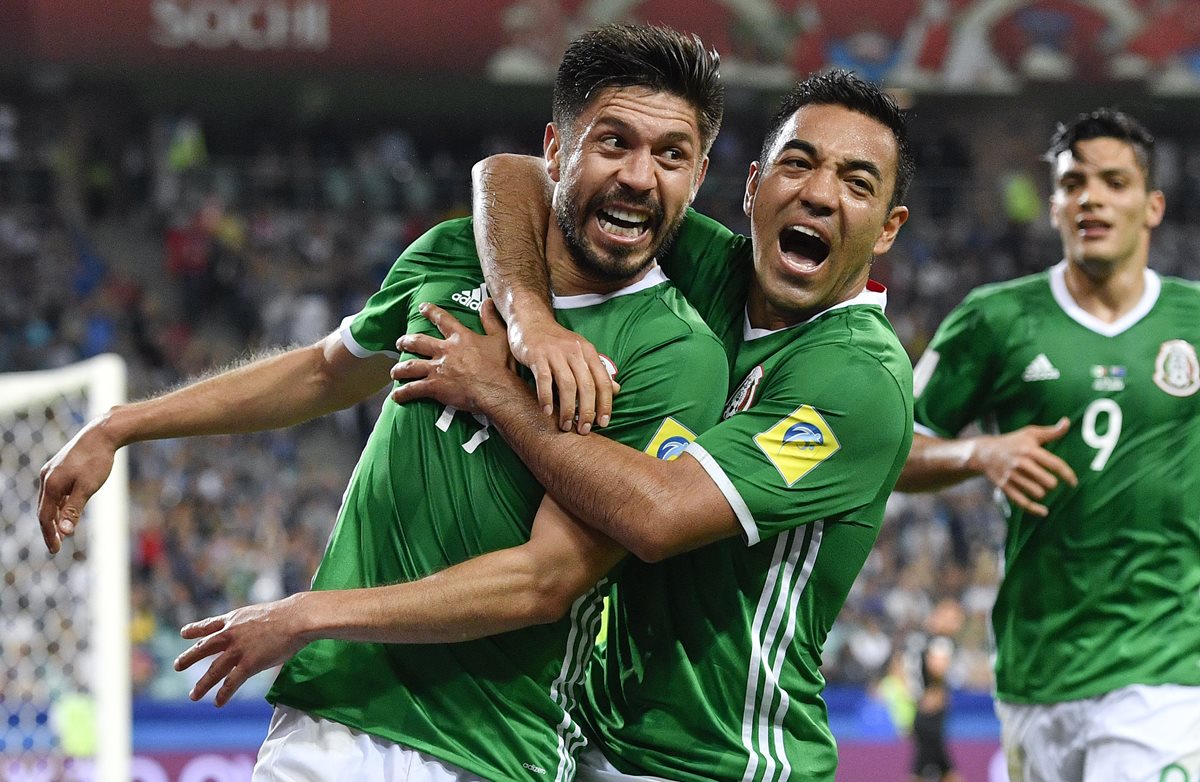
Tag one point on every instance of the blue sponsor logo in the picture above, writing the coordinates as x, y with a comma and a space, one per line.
805, 435
671, 447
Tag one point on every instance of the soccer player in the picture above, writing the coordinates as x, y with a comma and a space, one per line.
712, 667
1085, 377
372, 688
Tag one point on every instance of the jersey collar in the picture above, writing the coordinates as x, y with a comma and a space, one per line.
653, 277
1058, 287
873, 295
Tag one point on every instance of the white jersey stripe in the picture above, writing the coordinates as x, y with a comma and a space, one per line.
756, 658
762, 727
584, 612
770, 679
812, 547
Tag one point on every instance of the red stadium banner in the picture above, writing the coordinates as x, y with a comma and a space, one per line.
959, 45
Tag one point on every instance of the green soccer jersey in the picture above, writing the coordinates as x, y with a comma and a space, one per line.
434, 487
1105, 591
712, 668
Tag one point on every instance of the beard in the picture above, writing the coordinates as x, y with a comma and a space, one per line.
612, 264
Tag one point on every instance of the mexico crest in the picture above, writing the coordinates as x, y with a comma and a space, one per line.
1176, 369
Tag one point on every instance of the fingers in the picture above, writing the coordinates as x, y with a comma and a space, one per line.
1045, 434
1057, 466
47, 515
1024, 502
585, 392
420, 345
220, 668
417, 389
412, 369
445, 322
543, 379
233, 680
493, 324
203, 627
564, 381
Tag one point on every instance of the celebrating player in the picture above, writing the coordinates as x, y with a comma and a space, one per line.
1087, 376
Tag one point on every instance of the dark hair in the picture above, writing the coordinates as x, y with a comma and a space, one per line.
1106, 123
658, 58
843, 88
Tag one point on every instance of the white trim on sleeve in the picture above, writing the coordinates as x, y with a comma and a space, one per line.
353, 345
740, 509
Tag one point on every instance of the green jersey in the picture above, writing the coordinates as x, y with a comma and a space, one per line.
712, 668
1105, 591
433, 488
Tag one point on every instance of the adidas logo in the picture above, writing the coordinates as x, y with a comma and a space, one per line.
472, 299
1040, 369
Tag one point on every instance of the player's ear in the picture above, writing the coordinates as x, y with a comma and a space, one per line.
551, 150
699, 180
751, 188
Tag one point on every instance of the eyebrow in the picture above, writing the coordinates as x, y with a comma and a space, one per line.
606, 122
849, 165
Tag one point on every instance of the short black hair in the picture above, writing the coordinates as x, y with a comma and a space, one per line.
840, 87
1105, 123
627, 55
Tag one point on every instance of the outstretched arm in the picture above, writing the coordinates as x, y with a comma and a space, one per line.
1016, 463
533, 583
653, 508
278, 390
511, 209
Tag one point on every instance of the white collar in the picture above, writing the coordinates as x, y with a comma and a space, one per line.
653, 277
873, 295
1058, 287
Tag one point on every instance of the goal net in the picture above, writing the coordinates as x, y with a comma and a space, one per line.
64, 620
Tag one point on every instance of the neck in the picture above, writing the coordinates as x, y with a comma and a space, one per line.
1106, 291
569, 278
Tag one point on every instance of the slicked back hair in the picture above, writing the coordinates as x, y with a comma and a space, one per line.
1105, 123
625, 55
843, 88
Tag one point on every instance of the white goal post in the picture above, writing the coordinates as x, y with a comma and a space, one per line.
64, 620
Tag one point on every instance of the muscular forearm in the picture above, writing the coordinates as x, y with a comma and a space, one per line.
275, 391
511, 211
625, 494
494, 593
935, 463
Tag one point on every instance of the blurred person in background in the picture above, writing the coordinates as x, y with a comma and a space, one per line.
1085, 378
372, 686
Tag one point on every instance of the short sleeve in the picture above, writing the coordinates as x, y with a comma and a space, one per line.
810, 451
951, 379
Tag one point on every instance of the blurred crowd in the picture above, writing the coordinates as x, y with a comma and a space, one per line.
182, 257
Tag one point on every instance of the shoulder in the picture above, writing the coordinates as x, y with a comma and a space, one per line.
1000, 297
699, 234
450, 240
859, 350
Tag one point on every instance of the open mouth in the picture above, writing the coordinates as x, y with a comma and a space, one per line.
623, 223
803, 246
1092, 227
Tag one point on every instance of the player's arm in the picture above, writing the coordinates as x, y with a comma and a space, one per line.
1017, 463
273, 391
652, 508
510, 211
536, 582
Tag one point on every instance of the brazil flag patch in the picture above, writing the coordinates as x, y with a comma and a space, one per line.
670, 440
798, 443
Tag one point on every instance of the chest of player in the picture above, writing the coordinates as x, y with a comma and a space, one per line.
1145, 376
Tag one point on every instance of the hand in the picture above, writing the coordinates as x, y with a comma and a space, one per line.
463, 369
1021, 468
246, 641
70, 479
562, 359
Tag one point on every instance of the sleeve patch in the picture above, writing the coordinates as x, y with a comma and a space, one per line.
798, 443
670, 440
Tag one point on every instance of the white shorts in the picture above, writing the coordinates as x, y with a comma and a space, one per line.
594, 767
1139, 733
303, 748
